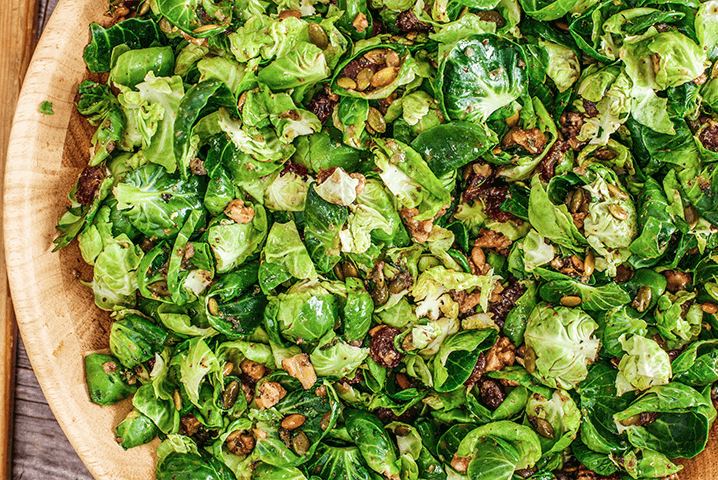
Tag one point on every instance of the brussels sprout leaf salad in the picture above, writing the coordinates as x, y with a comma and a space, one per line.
404, 239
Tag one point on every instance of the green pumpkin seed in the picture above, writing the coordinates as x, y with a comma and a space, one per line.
230, 394
301, 443
376, 120
376, 56
570, 301
212, 306
617, 211
543, 427
364, 79
632, 420
347, 83
339, 272
643, 298
380, 294
530, 360
616, 192
589, 264
576, 200
384, 77
317, 35
350, 270
691, 215
392, 58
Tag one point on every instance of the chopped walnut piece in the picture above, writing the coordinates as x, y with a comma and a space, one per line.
467, 301
502, 354
496, 241
420, 230
360, 23
301, 368
578, 219
255, 370
270, 393
460, 464
238, 212
240, 442
532, 140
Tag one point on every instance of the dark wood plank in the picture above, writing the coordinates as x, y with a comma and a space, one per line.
40, 449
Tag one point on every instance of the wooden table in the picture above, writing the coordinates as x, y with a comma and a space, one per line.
40, 449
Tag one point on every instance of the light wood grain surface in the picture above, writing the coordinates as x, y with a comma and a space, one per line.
40, 449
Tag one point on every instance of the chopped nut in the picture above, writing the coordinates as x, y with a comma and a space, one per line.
301, 368
362, 182
238, 212
270, 393
502, 354
420, 230
360, 23
532, 140
255, 370
460, 464
496, 241
467, 301
478, 261
240, 442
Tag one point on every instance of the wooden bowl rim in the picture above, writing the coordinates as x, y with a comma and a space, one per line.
36, 148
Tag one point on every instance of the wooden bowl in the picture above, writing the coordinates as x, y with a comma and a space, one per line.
56, 314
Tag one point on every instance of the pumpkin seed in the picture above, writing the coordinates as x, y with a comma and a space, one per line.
589, 264
617, 211
380, 294
399, 283
230, 394
159, 288
384, 77
543, 427
376, 120
392, 58
212, 306
177, 398
347, 83
301, 443
295, 420
317, 35
228, 369
350, 270
691, 215
709, 307
402, 430
530, 360
339, 272
289, 13
632, 420
616, 192
570, 301
144, 8
364, 79
643, 298
376, 56
576, 200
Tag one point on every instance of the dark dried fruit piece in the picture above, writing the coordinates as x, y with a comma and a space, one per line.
381, 347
